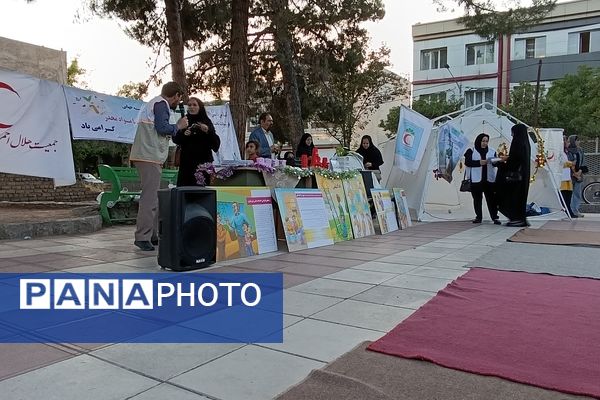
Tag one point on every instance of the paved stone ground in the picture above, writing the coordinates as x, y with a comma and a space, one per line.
336, 297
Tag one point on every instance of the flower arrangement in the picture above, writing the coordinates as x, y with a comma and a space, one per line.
297, 172
208, 168
325, 173
227, 171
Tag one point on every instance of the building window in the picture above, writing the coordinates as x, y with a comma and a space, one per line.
584, 42
433, 59
433, 97
530, 48
474, 97
480, 53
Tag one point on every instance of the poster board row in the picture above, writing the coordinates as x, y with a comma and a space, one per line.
336, 212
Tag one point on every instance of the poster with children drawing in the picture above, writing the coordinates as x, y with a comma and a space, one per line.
358, 206
404, 220
335, 201
304, 217
386, 215
245, 225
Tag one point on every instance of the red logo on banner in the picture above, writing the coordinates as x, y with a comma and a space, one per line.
7, 87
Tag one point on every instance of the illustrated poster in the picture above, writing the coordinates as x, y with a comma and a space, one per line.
245, 225
304, 217
358, 205
404, 220
335, 200
386, 214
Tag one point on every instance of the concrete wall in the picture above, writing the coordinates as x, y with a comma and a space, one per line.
38, 61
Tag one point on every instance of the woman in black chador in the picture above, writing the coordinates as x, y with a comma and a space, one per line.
513, 176
372, 158
305, 147
197, 143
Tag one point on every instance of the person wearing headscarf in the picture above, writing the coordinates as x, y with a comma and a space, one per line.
575, 155
289, 158
197, 143
372, 158
514, 191
305, 147
566, 183
483, 177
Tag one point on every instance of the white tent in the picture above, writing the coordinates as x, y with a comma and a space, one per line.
435, 200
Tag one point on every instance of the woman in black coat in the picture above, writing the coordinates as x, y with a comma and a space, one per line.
197, 143
515, 172
372, 158
305, 147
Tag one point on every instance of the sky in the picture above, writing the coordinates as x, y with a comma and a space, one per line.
112, 59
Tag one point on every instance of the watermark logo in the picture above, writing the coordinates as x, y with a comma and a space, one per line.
149, 308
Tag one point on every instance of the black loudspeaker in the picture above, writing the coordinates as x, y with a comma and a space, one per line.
187, 228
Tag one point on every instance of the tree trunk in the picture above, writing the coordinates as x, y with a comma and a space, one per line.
285, 56
238, 98
176, 45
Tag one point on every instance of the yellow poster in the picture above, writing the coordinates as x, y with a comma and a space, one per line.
335, 202
358, 205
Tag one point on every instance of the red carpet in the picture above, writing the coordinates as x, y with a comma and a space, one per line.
532, 328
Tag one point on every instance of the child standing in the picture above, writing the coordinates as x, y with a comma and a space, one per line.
252, 150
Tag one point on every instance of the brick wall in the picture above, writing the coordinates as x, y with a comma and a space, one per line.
28, 188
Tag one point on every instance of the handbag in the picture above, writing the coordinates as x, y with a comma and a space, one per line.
514, 176
465, 185
177, 157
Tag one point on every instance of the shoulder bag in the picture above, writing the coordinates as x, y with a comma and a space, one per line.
465, 185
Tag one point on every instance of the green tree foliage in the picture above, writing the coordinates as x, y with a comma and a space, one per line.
522, 103
483, 17
87, 154
276, 57
75, 74
430, 108
133, 90
573, 103
354, 85
437, 107
390, 123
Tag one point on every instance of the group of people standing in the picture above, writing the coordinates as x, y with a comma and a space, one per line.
196, 137
262, 144
504, 179
572, 179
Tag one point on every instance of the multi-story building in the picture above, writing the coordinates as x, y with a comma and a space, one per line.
451, 61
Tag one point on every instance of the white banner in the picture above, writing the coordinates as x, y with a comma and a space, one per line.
223, 122
554, 149
411, 139
97, 116
34, 129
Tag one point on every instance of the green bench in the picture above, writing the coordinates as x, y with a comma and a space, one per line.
115, 205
